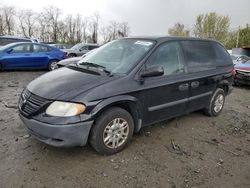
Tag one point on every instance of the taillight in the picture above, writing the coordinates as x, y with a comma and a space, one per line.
233, 72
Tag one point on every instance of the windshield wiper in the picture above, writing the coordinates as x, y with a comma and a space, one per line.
97, 66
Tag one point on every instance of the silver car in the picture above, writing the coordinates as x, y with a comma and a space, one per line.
80, 49
239, 58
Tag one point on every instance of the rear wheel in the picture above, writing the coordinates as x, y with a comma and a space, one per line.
112, 131
53, 65
216, 103
1, 67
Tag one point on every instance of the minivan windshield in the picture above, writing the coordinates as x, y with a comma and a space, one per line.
119, 56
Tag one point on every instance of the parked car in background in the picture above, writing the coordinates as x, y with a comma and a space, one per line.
242, 75
26, 55
60, 46
4, 40
80, 49
71, 60
123, 86
239, 58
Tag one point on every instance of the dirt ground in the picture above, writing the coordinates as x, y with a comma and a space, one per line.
190, 151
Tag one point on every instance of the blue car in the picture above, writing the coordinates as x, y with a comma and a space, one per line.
242, 75
27, 55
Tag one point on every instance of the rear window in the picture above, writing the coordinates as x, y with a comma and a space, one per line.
199, 55
40, 48
222, 56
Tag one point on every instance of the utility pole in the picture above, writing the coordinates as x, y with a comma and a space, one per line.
238, 37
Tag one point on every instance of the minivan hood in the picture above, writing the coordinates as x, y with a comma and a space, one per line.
66, 83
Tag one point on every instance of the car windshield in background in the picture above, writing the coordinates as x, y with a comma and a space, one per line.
247, 62
76, 47
233, 57
119, 56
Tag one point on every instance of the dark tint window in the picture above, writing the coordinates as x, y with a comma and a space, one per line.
5, 41
22, 48
92, 47
40, 48
222, 56
168, 56
200, 55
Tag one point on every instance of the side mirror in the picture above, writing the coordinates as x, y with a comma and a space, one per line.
153, 71
9, 51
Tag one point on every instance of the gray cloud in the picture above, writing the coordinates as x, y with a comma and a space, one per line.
150, 17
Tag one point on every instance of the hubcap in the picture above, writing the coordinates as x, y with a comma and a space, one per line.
116, 133
53, 65
218, 104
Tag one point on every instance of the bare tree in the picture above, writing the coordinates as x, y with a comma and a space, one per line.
179, 30
8, 13
52, 15
27, 22
2, 25
124, 29
93, 25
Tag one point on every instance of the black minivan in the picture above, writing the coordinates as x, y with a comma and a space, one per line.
123, 86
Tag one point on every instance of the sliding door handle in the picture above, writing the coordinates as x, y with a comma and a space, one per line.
184, 87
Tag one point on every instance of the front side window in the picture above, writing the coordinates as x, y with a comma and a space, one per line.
23, 48
200, 55
169, 57
119, 56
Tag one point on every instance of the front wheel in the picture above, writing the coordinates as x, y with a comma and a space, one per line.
216, 103
112, 131
53, 65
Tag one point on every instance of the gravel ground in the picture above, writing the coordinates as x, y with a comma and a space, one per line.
190, 151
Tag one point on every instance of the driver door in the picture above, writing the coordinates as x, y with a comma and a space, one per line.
166, 96
20, 56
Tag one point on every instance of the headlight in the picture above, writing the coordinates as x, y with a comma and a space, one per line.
65, 109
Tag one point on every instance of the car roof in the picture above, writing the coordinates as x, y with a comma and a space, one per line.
14, 43
168, 38
14, 37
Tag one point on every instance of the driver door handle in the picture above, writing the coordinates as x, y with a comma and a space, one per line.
195, 84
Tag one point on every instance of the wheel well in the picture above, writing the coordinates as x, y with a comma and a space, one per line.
224, 87
130, 107
73, 54
1, 66
54, 60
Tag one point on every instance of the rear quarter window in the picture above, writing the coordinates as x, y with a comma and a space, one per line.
199, 55
222, 56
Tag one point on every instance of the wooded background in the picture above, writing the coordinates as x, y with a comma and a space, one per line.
50, 25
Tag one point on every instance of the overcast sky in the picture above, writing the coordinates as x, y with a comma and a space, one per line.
146, 17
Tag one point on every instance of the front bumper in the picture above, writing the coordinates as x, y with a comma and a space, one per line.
59, 135
242, 78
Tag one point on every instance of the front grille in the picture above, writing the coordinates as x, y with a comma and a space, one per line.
30, 103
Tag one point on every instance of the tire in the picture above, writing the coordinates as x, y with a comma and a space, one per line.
52, 65
216, 103
71, 55
1, 67
104, 128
